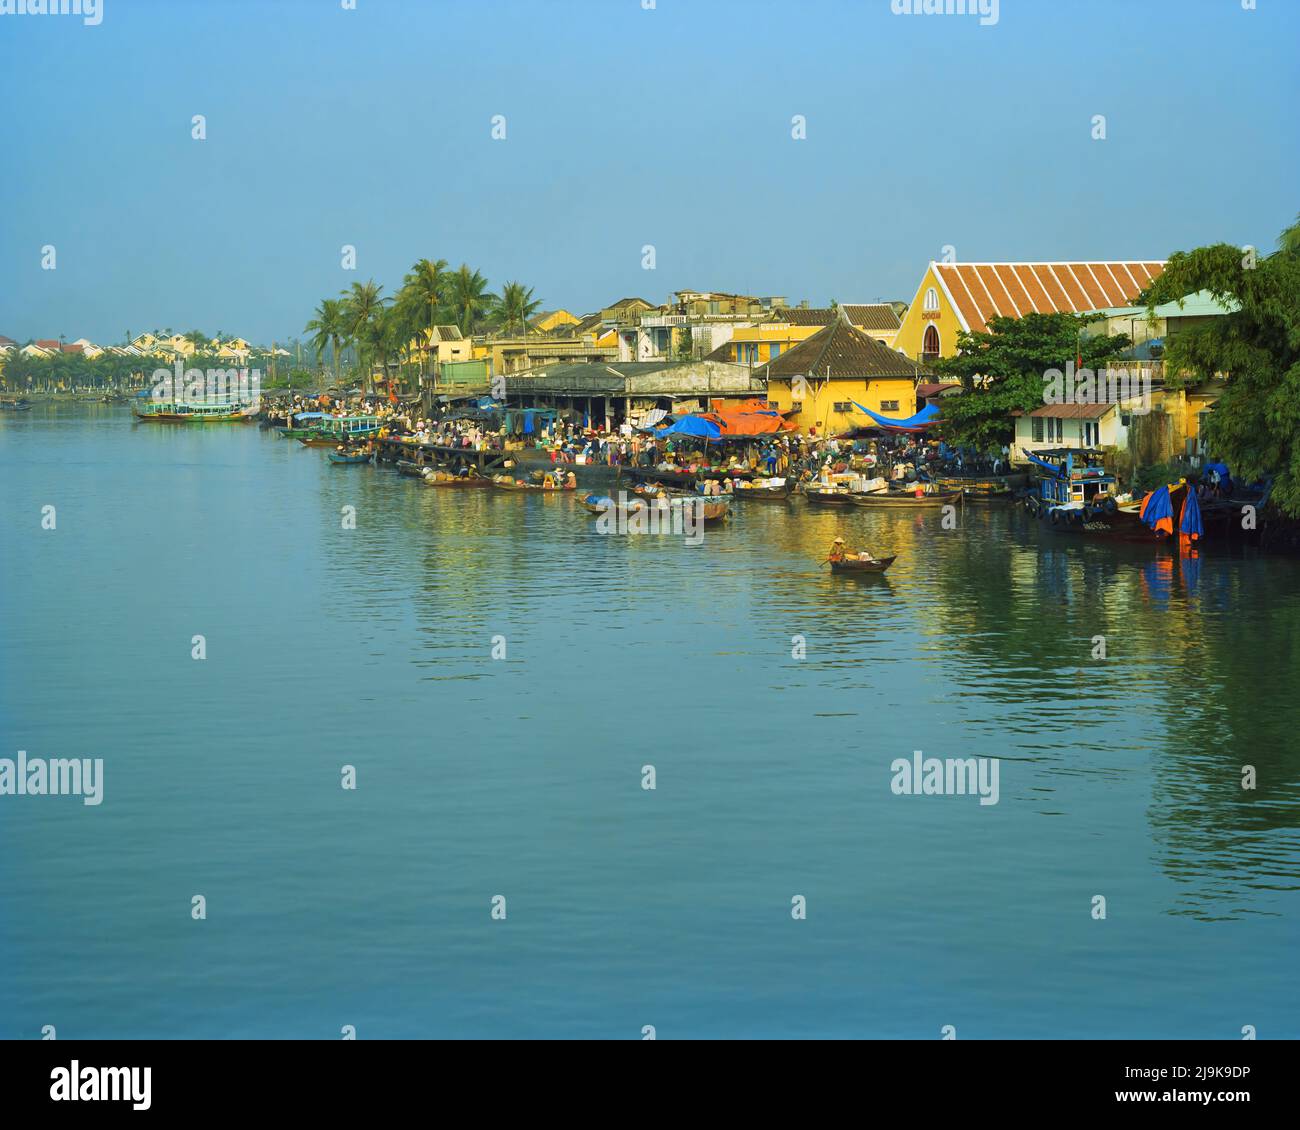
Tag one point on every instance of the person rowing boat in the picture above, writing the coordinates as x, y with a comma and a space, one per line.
840, 553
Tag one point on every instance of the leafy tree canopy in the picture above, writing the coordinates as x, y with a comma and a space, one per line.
1003, 370
1255, 425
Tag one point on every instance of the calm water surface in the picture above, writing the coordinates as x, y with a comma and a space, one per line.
521, 777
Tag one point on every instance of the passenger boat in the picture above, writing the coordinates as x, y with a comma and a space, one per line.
345, 457
903, 500
855, 565
185, 412
330, 431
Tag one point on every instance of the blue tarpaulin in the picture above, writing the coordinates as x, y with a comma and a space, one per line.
1191, 524
1158, 507
928, 415
695, 426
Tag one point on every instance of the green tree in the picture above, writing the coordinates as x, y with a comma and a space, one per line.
1255, 425
514, 306
469, 297
1003, 370
328, 327
362, 306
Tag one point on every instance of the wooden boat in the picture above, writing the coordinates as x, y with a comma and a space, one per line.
336, 457
902, 501
316, 439
819, 497
854, 565
415, 470
1078, 497
710, 511
503, 482
295, 433
456, 482
764, 494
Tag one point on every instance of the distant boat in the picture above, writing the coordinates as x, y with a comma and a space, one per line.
337, 457
178, 412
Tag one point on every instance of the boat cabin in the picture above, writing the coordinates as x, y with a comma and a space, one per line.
1075, 480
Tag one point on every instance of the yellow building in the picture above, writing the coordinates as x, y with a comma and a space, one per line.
823, 377
963, 296
786, 327
444, 344
549, 320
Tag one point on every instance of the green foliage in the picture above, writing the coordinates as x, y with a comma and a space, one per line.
1255, 425
515, 305
1003, 371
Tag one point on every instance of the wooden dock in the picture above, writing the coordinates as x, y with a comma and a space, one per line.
433, 454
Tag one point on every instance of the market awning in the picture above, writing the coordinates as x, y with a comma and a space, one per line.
919, 422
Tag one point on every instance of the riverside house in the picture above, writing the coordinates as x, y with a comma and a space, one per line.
822, 378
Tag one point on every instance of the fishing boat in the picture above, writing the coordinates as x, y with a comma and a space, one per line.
349, 457
183, 412
903, 500
1077, 495
856, 565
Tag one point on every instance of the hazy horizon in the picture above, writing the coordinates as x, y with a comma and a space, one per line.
625, 127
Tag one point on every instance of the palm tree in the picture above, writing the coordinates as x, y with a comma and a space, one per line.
328, 327
424, 295
469, 297
361, 309
515, 305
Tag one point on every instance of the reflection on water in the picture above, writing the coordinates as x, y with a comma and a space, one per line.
373, 647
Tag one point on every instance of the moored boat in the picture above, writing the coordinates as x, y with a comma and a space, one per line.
903, 500
182, 412
349, 457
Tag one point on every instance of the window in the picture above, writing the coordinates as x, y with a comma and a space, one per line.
889, 405
844, 406
930, 343
1038, 428
931, 300
775, 351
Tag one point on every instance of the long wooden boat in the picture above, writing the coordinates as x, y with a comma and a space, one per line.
316, 439
854, 565
515, 484
710, 511
456, 482
415, 470
820, 497
295, 433
336, 457
903, 501
764, 494
163, 412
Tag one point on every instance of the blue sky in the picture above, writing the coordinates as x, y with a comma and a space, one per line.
625, 127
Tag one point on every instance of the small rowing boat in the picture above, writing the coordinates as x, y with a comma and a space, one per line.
856, 565
819, 497
336, 457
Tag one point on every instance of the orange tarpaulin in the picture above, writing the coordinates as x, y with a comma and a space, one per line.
749, 423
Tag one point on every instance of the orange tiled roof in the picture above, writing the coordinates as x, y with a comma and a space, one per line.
980, 291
